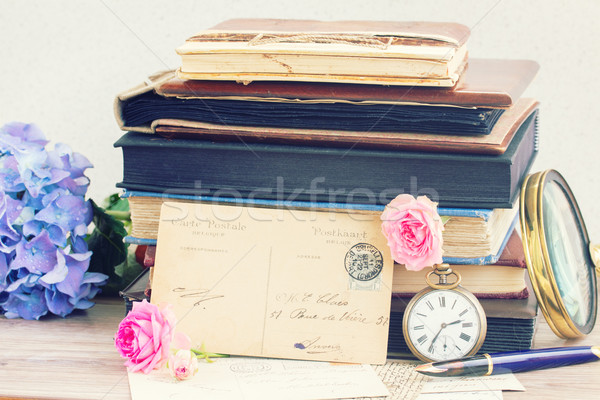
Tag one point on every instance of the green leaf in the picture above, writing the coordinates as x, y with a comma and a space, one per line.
130, 269
118, 208
114, 202
445, 219
109, 251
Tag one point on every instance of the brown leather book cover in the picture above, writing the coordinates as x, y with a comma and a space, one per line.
513, 254
485, 83
495, 143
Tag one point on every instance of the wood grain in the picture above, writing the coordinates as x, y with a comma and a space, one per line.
75, 358
70, 358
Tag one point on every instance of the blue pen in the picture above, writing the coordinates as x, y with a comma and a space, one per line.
512, 361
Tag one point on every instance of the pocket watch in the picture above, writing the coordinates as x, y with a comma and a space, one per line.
444, 321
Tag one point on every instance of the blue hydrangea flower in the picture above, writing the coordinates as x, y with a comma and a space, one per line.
63, 158
17, 137
43, 221
3, 271
10, 178
28, 304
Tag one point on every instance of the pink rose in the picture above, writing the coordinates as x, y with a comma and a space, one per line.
183, 364
413, 230
144, 336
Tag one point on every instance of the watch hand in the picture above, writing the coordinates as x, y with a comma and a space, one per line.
435, 337
455, 322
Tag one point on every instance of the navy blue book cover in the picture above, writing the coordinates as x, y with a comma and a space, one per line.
144, 109
322, 174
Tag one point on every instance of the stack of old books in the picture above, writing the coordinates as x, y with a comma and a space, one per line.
346, 114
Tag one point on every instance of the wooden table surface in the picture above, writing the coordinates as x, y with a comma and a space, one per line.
75, 358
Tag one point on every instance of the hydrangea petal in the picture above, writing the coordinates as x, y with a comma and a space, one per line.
83, 304
37, 255
57, 236
94, 277
28, 281
79, 244
58, 273
20, 137
25, 305
66, 212
3, 271
58, 303
76, 266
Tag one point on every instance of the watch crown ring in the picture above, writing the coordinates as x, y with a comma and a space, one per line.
443, 284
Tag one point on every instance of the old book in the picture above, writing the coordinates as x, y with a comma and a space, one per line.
151, 109
390, 53
486, 83
137, 290
225, 109
325, 174
470, 236
495, 143
506, 278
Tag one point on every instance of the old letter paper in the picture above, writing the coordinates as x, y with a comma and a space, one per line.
259, 379
268, 282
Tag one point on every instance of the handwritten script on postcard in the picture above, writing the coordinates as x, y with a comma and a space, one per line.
298, 284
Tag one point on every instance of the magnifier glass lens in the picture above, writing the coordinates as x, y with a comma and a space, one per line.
567, 249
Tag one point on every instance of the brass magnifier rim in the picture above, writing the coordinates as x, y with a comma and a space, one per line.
538, 260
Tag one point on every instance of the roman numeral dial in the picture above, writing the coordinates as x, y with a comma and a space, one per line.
444, 324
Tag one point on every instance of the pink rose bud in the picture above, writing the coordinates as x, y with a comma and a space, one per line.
413, 229
144, 336
183, 364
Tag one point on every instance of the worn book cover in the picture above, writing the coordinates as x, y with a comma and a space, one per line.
326, 174
367, 52
496, 142
174, 104
487, 83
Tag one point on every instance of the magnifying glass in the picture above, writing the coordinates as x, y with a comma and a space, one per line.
560, 260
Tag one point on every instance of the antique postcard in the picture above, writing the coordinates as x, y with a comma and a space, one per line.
298, 284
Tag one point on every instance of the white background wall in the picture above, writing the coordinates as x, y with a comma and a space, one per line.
62, 62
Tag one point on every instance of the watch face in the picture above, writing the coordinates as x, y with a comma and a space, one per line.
443, 325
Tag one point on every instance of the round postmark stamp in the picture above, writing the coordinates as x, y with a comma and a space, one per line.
363, 262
